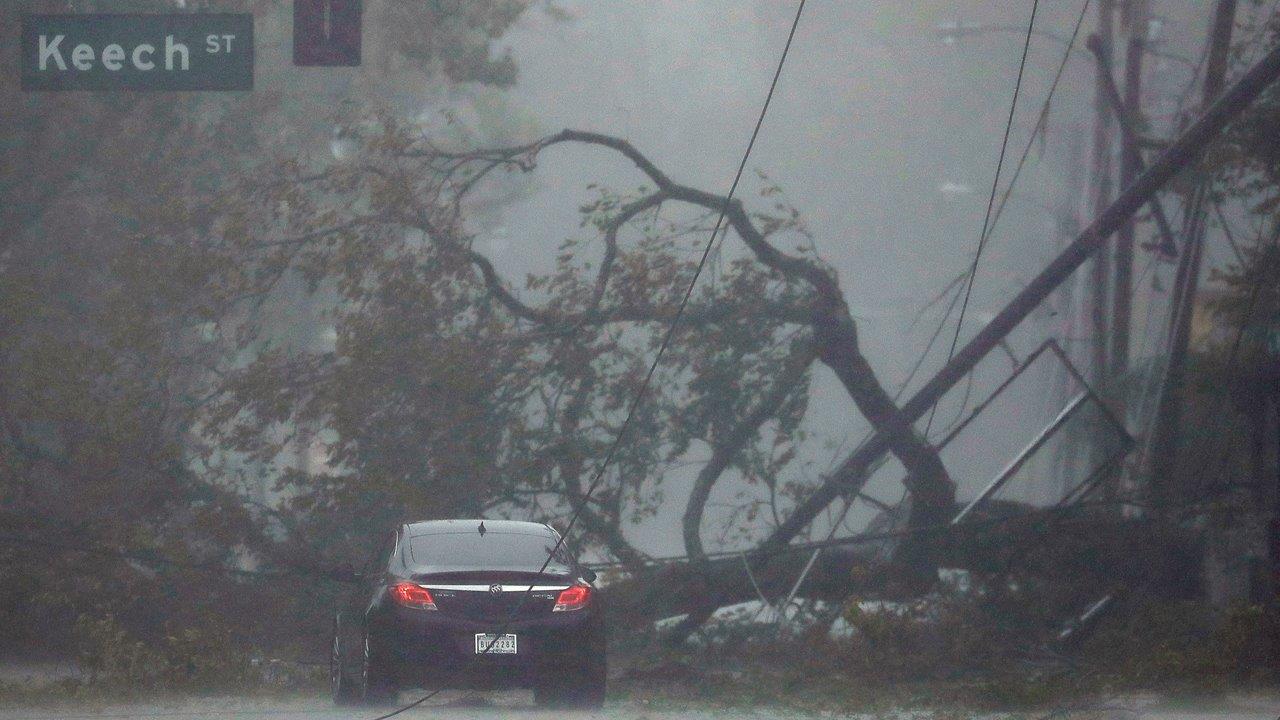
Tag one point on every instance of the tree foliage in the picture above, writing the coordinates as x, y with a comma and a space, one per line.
125, 299
445, 394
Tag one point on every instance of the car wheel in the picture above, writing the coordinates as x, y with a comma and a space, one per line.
343, 690
376, 684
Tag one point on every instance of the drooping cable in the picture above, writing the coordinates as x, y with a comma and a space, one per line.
991, 201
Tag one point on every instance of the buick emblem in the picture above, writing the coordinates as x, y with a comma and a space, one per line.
495, 589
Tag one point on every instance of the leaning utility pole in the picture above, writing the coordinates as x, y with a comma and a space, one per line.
1066, 227
1167, 433
852, 473
1100, 181
1130, 166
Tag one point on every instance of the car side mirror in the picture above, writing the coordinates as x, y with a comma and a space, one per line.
589, 575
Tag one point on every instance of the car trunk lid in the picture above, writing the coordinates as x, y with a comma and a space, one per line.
494, 595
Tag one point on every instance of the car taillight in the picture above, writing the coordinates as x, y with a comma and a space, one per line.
412, 596
574, 598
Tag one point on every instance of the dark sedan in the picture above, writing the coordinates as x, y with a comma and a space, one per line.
461, 604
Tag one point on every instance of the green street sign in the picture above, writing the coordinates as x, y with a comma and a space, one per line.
188, 51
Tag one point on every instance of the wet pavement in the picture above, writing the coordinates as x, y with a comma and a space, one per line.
462, 706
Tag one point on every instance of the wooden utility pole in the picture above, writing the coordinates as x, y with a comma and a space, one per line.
1066, 227
1167, 432
1130, 166
1100, 181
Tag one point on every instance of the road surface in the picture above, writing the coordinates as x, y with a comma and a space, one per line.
494, 706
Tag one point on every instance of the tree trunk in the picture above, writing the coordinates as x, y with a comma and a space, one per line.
932, 492
1003, 536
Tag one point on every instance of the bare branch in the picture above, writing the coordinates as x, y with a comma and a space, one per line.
793, 267
611, 241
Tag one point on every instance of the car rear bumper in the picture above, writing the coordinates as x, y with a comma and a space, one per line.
426, 649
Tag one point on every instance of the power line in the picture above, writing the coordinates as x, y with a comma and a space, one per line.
1041, 119
995, 184
648, 378
1041, 129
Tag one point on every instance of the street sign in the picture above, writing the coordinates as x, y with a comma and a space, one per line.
188, 51
326, 33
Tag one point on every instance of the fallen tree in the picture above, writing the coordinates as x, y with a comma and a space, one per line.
386, 232
1079, 552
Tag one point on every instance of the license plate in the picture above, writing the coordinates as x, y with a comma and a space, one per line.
501, 645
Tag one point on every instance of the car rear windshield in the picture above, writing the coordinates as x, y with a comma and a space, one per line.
455, 552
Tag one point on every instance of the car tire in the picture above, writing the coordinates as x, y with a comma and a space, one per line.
344, 691
377, 687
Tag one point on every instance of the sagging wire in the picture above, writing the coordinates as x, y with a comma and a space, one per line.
995, 185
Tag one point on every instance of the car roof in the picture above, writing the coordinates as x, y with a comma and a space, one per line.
501, 527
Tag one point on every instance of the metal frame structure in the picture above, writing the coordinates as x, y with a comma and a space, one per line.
1086, 394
